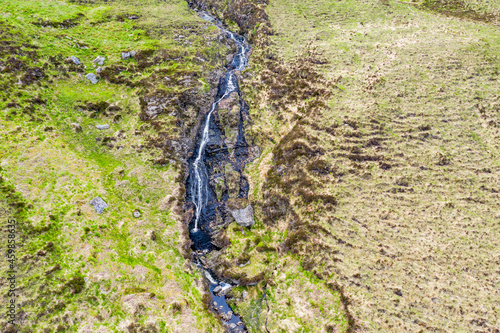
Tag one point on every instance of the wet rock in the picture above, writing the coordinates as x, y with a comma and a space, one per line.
75, 60
222, 289
99, 60
229, 116
76, 127
99, 204
92, 78
102, 127
244, 217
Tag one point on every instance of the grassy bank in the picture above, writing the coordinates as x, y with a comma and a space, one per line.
392, 190
79, 270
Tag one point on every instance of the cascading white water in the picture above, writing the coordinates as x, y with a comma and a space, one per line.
198, 167
200, 193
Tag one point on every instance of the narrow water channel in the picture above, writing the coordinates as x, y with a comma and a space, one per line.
213, 152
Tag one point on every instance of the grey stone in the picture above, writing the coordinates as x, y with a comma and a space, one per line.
76, 127
132, 53
222, 289
75, 60
102, 127
92, 78
244, 217
98, 70
99, 204
217, 290
133, 17
99, 60
125, 55
137, 213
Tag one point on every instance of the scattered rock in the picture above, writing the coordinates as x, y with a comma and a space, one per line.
122, 183
133, 17
76, 127
75, 60
244, 294
125, 55
98, 70
244, 217
99, 204
132, 53
151, 235
137, 213
92, 78
102, 127
99, 60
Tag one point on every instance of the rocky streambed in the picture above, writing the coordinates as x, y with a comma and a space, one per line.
216, 188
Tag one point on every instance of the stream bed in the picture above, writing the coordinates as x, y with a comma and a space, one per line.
213, 154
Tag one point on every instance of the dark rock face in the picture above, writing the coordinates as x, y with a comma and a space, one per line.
246, 13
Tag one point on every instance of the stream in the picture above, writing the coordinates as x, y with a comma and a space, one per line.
212, 155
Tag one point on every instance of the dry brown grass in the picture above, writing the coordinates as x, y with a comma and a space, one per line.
409, 148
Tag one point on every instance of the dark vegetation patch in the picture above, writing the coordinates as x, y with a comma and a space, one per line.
460, 9
65, 24
247, 15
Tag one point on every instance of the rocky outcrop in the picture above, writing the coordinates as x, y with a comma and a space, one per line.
244, 217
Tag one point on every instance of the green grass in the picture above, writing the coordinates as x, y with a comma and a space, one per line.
57, 171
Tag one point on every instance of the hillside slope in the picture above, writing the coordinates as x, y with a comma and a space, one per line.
391, 190
79, 270
375, 191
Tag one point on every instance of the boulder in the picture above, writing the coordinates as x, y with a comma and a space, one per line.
244, 217
125, 55
99, 60
222, 289
99, 204
76, 127
92, 78
75, 60
102, 127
